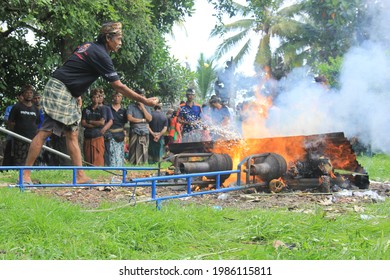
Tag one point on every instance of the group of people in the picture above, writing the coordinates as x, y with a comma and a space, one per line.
104, 129
61, 98
59, 113
195, 123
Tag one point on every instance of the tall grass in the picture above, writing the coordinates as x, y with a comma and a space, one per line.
42, 228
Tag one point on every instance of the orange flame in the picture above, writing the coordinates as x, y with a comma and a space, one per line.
255, 114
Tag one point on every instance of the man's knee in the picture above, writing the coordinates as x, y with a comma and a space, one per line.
72, 135
43, 135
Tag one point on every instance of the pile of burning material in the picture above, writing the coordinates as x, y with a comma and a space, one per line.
271, 171
325, 162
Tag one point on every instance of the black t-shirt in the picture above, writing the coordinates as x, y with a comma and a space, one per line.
159, 120
26, 119
88, 62
120, 118
90, 114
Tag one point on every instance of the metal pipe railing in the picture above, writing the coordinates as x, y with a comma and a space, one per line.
152, 182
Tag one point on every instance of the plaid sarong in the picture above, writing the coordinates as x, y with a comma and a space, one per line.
138, 148
59, 104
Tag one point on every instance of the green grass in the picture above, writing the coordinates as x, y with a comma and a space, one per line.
42, 228
377, 166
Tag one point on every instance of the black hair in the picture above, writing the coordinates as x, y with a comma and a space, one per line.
27, 88
190, 91
102, 38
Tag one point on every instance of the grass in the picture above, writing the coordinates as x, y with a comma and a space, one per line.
42, 228
377, 166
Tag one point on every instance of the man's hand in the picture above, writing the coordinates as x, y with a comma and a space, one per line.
152, 101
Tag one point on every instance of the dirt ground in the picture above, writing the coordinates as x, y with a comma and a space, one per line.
299, 201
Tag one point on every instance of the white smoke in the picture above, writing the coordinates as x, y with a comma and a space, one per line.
359, 108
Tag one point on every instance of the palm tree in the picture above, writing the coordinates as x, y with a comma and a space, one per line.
308, 32
246, 31
205, 76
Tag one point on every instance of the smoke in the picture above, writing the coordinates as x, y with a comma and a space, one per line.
361, 106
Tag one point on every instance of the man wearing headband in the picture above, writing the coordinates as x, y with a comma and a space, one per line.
62, 94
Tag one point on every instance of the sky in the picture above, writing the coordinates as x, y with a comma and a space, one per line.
187, 44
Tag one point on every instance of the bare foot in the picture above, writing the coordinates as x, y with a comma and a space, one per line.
27, 181
26, 176
85, 180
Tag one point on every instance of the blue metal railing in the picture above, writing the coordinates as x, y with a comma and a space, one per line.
188, 178
152, 182
74, 169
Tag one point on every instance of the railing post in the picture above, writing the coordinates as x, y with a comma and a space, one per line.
189, 181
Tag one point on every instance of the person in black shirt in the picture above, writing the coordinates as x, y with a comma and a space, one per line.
23, 120
8, 149
117, 130
93, 119
106, 128
157, 128
61, 97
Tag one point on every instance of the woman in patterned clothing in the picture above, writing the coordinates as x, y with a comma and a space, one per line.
117, 146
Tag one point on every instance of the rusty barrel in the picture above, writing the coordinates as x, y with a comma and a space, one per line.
216, 162
268, 166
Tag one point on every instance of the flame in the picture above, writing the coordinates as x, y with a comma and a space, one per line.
277, 185
342, 157
291, 148
255, 114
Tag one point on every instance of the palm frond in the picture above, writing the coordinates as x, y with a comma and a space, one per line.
292, 10
232, 27
263, 55
287, 28
243, 52
229, 43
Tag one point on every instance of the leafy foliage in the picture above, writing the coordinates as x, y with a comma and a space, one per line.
309, 32
331, 70
205, 74
57, 27
166, 13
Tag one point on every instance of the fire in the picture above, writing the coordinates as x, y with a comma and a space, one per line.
254, 115
277, 185
291, 148
333, 150
342, 156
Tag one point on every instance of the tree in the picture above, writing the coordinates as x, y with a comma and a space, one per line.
167, 13
260, 18
309, 32
58, 26
323, 29
331, 70
205, 76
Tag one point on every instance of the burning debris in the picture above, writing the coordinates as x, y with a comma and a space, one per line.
324, 162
